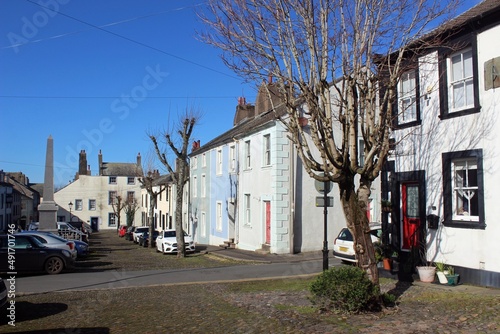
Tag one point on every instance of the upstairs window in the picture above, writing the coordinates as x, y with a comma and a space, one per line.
461, 81
247, 155
459, 86
219, 161
130, 180
112, 180
78, 205
407, 98
232, 158
267, 150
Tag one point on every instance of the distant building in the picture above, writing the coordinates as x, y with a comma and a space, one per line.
89, 198
18, 200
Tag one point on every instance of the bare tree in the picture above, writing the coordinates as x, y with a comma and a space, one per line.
178, 143
118, 204
148, 181
322, 56
131, 206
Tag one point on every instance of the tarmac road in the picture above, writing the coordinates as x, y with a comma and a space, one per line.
122, 279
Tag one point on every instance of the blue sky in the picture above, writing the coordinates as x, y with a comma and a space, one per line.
104, 90
101, 75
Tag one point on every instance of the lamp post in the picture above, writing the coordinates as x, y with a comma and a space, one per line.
70, 204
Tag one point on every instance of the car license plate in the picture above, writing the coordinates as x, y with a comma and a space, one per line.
343, 249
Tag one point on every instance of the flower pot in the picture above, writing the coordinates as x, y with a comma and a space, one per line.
452, 279
442, 277
426, 274
387, 263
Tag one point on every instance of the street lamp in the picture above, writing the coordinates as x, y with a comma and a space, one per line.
70, 204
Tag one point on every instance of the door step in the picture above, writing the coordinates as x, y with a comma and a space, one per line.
228, 244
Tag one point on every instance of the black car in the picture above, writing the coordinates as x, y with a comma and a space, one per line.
128, 234
144, 238
25, 253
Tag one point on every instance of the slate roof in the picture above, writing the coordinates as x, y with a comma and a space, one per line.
120, 169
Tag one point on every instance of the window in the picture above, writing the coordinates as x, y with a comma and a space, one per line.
92, 204
130, 196
203, 224
247, 209
112, 197
195, 186
461, 84
232, 158
459, 87
111, 219
204, 160
195, 162
130, 180
267, 150
112, 180
407, 98
78, 205
247, 155
219, 161
203, 186
218, 218
463, 189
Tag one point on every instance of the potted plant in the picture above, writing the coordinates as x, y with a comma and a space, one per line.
441, 272
387, 253
451, 276
426, 271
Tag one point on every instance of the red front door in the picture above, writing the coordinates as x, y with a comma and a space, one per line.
410, 213
268, 222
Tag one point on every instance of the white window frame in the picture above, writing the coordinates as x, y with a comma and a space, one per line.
112, 197
111, 219
203, 185
266, 159
464, 76
248, 156
203, 224
112, 179
218, 216
232, 158
463, 193
407, 97
92, 204
195, 186
131, 180
204, 160
248, 212
218, 161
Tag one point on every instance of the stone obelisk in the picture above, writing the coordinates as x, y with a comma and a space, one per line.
48, 208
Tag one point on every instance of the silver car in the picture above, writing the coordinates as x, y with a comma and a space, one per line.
52, 240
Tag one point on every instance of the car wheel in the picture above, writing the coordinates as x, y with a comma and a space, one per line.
54, 265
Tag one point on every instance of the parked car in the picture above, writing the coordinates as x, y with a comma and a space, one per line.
3, 293
86, 228
144, 239
343, 246
68, 231
52, 240
166, 242
122, 230
32, 255
137, 233
82, 248
128, 234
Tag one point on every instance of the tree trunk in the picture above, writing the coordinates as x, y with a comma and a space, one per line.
355, 207
151, 219
179, 231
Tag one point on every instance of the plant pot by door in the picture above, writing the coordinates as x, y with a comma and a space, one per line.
387, 263
426, 274
452, 279
442, 277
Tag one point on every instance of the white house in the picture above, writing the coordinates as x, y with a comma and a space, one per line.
257, 196
443, 174
89, 197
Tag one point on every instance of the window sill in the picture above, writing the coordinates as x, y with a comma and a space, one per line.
465, 224
459, 113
